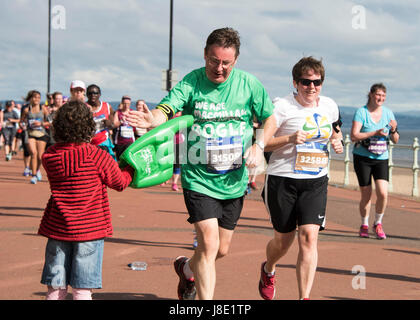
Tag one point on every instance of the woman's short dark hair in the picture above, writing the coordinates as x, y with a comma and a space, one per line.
57, 93
375, 87
305, 64
73, 123
224, 37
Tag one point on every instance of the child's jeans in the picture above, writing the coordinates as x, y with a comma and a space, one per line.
78, 264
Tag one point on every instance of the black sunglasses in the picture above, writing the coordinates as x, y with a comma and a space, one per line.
93, 92
307, 82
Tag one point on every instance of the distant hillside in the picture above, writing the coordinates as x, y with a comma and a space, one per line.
411, 113
406, 119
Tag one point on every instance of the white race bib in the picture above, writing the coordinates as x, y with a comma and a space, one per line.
127, 132
377, 145
224, 154
311, 158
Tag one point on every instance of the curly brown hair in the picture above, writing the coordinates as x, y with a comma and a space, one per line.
73, 123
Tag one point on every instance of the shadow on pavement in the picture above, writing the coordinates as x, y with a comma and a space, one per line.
386, 276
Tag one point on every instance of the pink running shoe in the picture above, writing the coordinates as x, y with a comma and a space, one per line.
174, 187
380, 234
364, 231
266, 285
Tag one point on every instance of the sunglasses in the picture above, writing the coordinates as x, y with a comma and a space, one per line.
307, 82
93, 92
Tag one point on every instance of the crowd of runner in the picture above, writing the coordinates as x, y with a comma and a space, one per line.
28, 127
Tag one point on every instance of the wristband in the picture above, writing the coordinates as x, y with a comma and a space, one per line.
395, 131
260, 144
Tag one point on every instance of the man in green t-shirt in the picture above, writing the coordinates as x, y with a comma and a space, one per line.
223, 101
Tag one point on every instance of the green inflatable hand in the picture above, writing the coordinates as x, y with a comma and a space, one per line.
152, 155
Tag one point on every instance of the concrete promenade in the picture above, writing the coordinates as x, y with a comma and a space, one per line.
150, 225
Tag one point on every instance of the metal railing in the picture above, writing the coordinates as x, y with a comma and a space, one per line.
415, 167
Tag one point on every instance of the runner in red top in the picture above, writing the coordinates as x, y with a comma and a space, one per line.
103, 114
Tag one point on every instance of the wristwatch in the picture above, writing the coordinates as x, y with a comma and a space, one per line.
260, 144
395, 131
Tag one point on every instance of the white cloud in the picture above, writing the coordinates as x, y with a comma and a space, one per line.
385, 53
265, 47
124, 44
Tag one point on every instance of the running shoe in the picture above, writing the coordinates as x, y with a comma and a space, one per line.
174, 187
186, 287
266, 285
364, 231
9, 157
254, 185
34, 180
39, 175
379, 231
248, 189
27, 172
195, 242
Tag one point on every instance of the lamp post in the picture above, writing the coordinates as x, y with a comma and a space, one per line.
49, 45
169, 76
169, 71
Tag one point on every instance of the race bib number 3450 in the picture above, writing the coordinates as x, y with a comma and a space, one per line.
311, 158
224, 154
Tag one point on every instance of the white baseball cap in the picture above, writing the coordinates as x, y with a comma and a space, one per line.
77, 84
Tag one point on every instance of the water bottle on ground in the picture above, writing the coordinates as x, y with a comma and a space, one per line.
138, 265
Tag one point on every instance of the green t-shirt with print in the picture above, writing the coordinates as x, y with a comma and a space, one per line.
212, 162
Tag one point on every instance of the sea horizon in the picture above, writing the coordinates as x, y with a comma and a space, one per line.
407, 126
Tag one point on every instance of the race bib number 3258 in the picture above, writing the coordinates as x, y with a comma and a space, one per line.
311, 158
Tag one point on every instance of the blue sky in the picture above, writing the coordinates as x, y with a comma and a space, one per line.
123, 46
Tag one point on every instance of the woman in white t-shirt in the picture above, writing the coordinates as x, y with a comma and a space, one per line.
295, 191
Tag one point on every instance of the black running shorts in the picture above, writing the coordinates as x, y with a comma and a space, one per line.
294, 202
366, 168
201, 207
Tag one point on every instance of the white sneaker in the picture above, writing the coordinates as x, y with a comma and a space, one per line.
27, 172
34, 180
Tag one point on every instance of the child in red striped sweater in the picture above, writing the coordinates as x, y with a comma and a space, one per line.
77, 217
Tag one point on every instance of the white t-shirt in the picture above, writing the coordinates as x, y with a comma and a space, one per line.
309, 160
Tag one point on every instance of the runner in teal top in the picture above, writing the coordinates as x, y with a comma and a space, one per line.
373, 125
363, 116
223, 101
